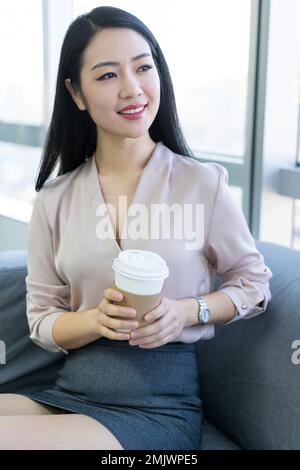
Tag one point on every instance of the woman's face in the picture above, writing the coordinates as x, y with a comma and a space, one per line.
110, 88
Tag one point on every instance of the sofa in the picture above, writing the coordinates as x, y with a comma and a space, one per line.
249, 372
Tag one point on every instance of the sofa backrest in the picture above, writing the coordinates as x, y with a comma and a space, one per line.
250, 370
27, 367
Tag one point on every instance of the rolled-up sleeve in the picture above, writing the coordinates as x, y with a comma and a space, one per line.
231, 250
47, 295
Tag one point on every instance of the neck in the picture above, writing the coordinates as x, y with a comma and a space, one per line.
123, 157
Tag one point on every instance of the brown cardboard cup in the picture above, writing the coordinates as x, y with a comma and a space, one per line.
139, 275
141, 303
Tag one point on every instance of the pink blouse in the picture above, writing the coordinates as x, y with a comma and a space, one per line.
69, 265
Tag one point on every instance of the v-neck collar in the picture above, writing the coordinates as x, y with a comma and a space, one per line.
153, 171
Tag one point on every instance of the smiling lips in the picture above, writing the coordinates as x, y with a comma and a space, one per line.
132, 107
134, 112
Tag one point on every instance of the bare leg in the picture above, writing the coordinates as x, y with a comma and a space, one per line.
55, 432
13, 404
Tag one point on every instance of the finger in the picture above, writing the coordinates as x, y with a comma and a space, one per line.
112, 334
156, 326
120, 311
156, 336
117, 322
156, 344
156, 313
113, 294
146, 331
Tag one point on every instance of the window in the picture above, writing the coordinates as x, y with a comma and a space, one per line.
237, 88
21, 100
21, 79
209, 69
207, 49
280, 214
30, 57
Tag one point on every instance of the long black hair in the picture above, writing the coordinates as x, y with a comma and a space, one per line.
72, 135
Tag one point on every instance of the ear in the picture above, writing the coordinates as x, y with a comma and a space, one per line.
75, 95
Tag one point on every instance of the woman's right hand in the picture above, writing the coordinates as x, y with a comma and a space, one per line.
110, 317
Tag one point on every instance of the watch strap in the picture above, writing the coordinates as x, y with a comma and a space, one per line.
202, 306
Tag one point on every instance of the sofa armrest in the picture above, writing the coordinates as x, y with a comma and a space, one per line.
249, 374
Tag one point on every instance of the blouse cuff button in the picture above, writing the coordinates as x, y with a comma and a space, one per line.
244, 307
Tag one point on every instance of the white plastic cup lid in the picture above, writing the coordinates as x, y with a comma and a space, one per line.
140, 264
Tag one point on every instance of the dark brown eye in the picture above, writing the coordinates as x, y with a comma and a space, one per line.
144, 67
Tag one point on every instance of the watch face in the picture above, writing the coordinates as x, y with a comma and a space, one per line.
205, 314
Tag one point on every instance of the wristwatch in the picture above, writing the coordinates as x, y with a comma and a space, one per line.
204, 313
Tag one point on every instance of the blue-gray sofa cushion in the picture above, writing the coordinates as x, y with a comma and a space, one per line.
28, 367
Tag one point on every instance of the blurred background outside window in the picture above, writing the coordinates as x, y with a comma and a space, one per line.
233, 64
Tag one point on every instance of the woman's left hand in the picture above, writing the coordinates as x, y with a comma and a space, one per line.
165, 323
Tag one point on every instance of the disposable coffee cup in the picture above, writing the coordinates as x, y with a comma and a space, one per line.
140, 276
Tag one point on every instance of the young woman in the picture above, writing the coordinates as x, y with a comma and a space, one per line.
115, 390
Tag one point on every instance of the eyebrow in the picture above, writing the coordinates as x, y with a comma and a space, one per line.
111, 63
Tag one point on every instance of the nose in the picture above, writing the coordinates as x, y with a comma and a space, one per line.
130, 87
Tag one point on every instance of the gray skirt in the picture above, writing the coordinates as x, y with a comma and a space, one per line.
147, 398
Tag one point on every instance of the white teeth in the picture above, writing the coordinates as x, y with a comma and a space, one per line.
133, 111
